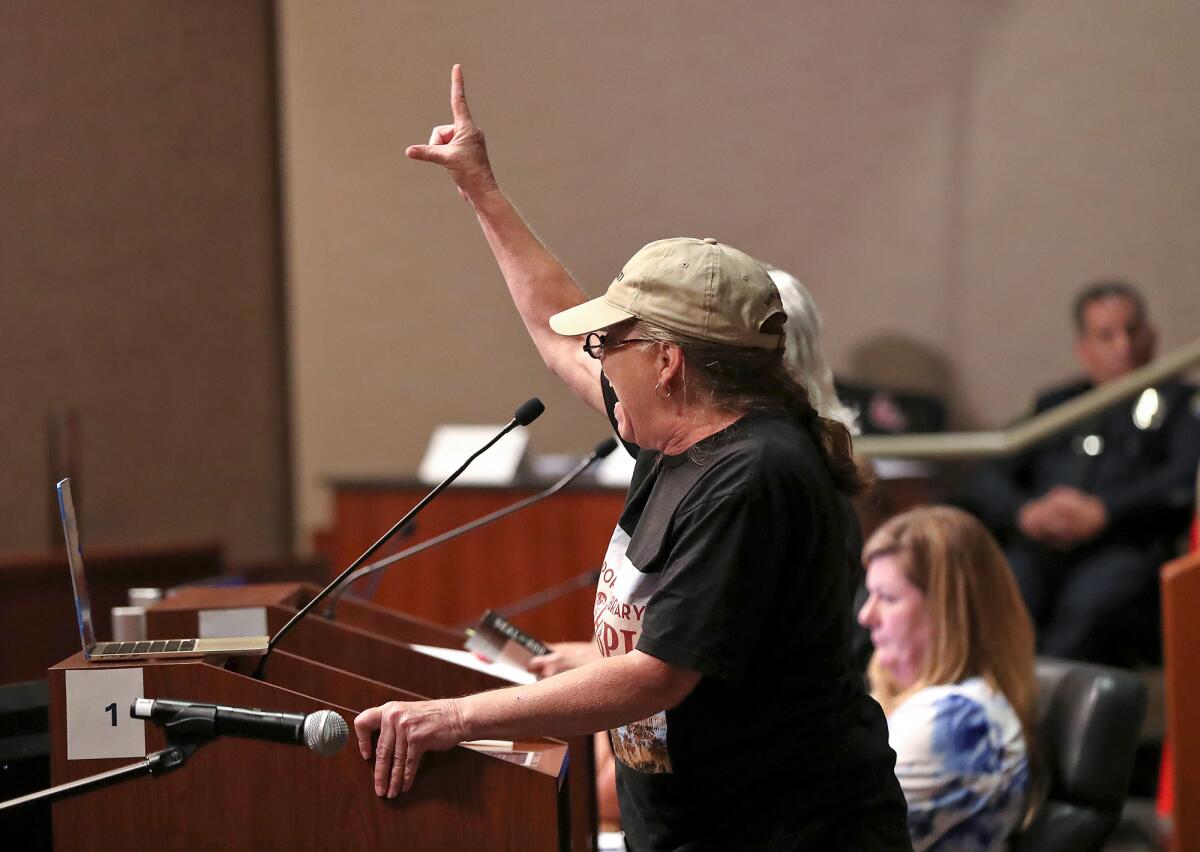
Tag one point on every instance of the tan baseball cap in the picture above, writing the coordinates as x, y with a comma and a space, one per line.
699, 288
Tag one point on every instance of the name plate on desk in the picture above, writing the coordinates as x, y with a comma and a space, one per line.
451, 445
240, 621
616, 471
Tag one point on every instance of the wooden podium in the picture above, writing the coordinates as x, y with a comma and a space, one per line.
236, 793
1181, 647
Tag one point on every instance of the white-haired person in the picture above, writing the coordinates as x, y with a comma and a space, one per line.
725, 679
953, 669
805, 350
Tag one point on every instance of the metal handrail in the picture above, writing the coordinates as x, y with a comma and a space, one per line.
1022, 435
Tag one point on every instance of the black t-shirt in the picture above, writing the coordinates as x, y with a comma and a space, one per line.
730, 561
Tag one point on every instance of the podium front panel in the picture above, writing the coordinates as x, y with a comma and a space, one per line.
241, 794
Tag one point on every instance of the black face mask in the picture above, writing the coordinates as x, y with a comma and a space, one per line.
607, 389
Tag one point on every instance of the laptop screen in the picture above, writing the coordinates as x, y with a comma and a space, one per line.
83, 604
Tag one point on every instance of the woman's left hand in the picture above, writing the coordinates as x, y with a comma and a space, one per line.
406, 731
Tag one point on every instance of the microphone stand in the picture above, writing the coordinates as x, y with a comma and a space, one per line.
181, 744
527, 413
601, 450
582, 580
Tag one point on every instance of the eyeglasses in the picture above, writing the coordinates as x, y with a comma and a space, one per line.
596, 344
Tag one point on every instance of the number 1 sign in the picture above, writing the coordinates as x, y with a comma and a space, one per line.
98, 722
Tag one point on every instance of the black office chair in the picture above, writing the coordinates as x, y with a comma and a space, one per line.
1088, 722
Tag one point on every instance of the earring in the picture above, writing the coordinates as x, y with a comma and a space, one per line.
656, 389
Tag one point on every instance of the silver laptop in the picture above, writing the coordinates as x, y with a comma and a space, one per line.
157, 648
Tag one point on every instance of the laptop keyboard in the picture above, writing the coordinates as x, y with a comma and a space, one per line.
157, 646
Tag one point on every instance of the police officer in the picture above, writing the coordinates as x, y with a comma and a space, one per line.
1091, 514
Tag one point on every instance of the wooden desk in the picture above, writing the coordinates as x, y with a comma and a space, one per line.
453, 583
540, 547
37, 605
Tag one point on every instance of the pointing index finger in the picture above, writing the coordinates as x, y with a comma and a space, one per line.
458, 97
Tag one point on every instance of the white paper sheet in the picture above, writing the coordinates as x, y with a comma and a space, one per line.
504, 671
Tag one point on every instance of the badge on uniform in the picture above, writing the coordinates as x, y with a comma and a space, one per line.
1150, 410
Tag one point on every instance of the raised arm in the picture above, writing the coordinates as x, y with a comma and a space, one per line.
539, 284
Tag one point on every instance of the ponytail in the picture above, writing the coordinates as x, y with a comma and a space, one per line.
745, 379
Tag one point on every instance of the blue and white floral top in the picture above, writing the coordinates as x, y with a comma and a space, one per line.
961, 761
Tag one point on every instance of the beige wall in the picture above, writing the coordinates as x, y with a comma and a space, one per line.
942, 174
140, 272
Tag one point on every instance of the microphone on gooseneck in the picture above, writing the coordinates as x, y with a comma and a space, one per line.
602, 450
324, 732
528, 411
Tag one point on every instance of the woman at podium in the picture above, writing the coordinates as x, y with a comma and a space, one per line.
724, 675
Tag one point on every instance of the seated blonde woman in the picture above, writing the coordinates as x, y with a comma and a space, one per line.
953, 671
